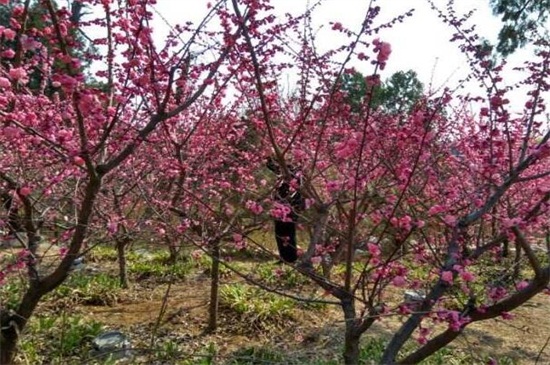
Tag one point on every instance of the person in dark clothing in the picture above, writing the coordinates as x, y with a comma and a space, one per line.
285, 230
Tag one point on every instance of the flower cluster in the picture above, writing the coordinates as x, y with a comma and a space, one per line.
384, 51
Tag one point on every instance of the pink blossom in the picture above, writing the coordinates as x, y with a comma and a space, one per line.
196, 254
507, 315
467, 276
88, 103
510, 222
238, 241
11, 132
78, 160
28, 43
112, 227
423, 336
422, 340
447, 276
384, 51
254, 207
8, 53
373, 80
450, 219
333, 186
404, 309
25, 191
399, 281
373, 249
278, 272
522, 285
497, 293
9, 34
337, 26
346, 149
18, 74
63, 251
65, 81
316, 260
455, 320
496, 101
436, 209
4, 83
280, 212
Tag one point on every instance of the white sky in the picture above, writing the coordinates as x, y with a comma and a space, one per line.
420, 43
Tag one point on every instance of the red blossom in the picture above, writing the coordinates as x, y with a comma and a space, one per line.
447, 276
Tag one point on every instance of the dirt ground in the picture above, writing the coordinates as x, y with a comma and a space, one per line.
318, 333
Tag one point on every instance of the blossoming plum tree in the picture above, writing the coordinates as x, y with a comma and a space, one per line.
58, 147
428, 196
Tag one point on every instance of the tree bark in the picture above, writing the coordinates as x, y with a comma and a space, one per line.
352, 334
351, 347
12, 325
174, 253
214, 288
122, 267
517, 262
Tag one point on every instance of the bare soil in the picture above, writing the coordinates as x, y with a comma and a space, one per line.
311, 334
152, 312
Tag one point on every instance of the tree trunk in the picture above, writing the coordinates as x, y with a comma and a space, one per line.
122, 267
505, 248
8, 340
351, 347
214, 288
174, 251
12, 325
517, 262
318, 235
353, 334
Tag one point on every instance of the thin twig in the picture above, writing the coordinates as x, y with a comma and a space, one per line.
542, 350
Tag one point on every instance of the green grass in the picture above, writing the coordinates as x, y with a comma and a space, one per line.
159, 269
11, 291
103, 253
256, 307
257, 355
280, 276
57, 340
83, 288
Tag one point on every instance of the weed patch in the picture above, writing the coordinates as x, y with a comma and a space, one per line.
254, 307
